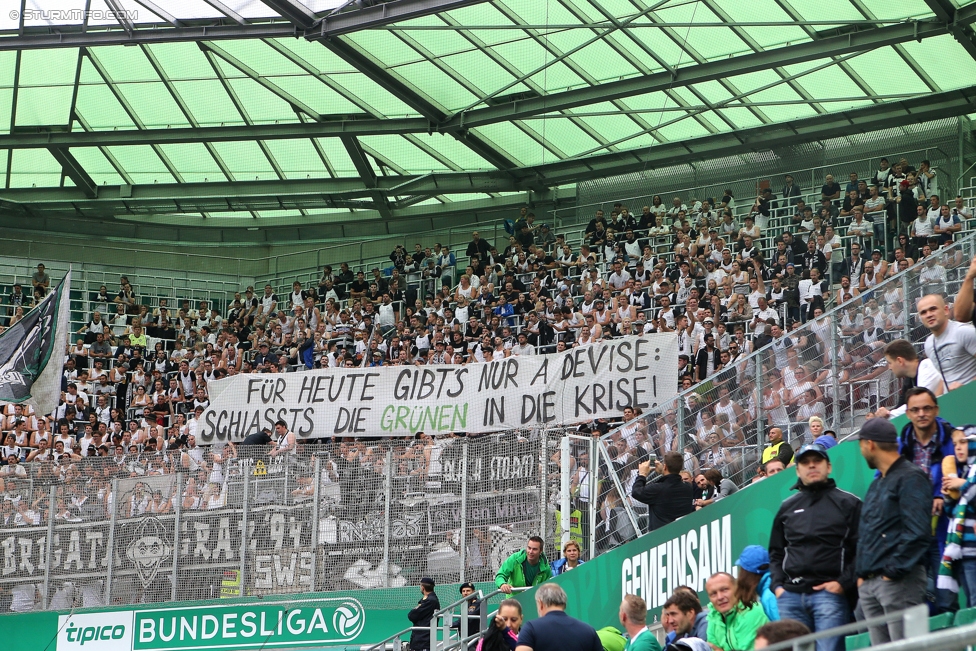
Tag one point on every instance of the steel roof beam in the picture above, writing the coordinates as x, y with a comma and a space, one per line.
383, 14
367, 174
74, 171
370, 127
294, 11
72, 36
966, 15
358, 157
946, 11
164, 197
298, 193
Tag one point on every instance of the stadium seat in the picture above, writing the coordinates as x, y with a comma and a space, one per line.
939, 622
965, 616
859, 641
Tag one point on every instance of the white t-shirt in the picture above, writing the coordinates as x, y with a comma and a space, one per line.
926, 376
954, 352
619, 280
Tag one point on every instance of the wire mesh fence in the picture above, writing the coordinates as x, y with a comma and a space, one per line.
831, 366
230, 522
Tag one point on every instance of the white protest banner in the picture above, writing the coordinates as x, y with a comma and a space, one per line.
565, 388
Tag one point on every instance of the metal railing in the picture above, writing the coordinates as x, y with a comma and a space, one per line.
748, 187
915, 627
443, 622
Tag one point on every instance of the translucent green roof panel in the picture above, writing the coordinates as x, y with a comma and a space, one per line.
46, 86
297, 158
495, 98
97, 165
932, 54
195, 163
145, 167
34, 168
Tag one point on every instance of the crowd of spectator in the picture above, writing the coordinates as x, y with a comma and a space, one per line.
136, 377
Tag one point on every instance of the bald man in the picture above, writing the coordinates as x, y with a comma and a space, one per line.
952, 345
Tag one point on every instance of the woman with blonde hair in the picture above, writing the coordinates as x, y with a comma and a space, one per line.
570, 560
815, 427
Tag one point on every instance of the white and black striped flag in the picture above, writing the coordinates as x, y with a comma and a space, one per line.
32, 353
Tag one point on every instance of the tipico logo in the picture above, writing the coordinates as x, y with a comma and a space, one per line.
349, 619
95, 631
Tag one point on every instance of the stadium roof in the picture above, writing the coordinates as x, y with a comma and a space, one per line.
245, 113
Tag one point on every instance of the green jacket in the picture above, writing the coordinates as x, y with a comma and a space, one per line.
611, 639
646, 642
511, 571
737, 630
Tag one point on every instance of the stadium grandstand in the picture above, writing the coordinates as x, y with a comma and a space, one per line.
310, 306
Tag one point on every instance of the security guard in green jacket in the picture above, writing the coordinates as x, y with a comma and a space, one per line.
525, 568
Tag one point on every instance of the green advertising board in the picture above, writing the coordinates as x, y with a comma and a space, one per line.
330, 620
688, 551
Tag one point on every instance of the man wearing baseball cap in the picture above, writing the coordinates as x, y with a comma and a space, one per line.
895, 530
421, 615
812, 546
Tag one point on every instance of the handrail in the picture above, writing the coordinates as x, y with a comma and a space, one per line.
736, 181
915, 622
946, 640
439, 614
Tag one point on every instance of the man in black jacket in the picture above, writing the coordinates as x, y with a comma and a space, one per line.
708, 357
667, 499
422, 614
477, 247
895, 530
812, 547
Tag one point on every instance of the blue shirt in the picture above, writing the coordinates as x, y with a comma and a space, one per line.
557, 631
506, 310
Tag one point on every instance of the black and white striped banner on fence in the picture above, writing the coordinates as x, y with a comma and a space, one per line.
560, 389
